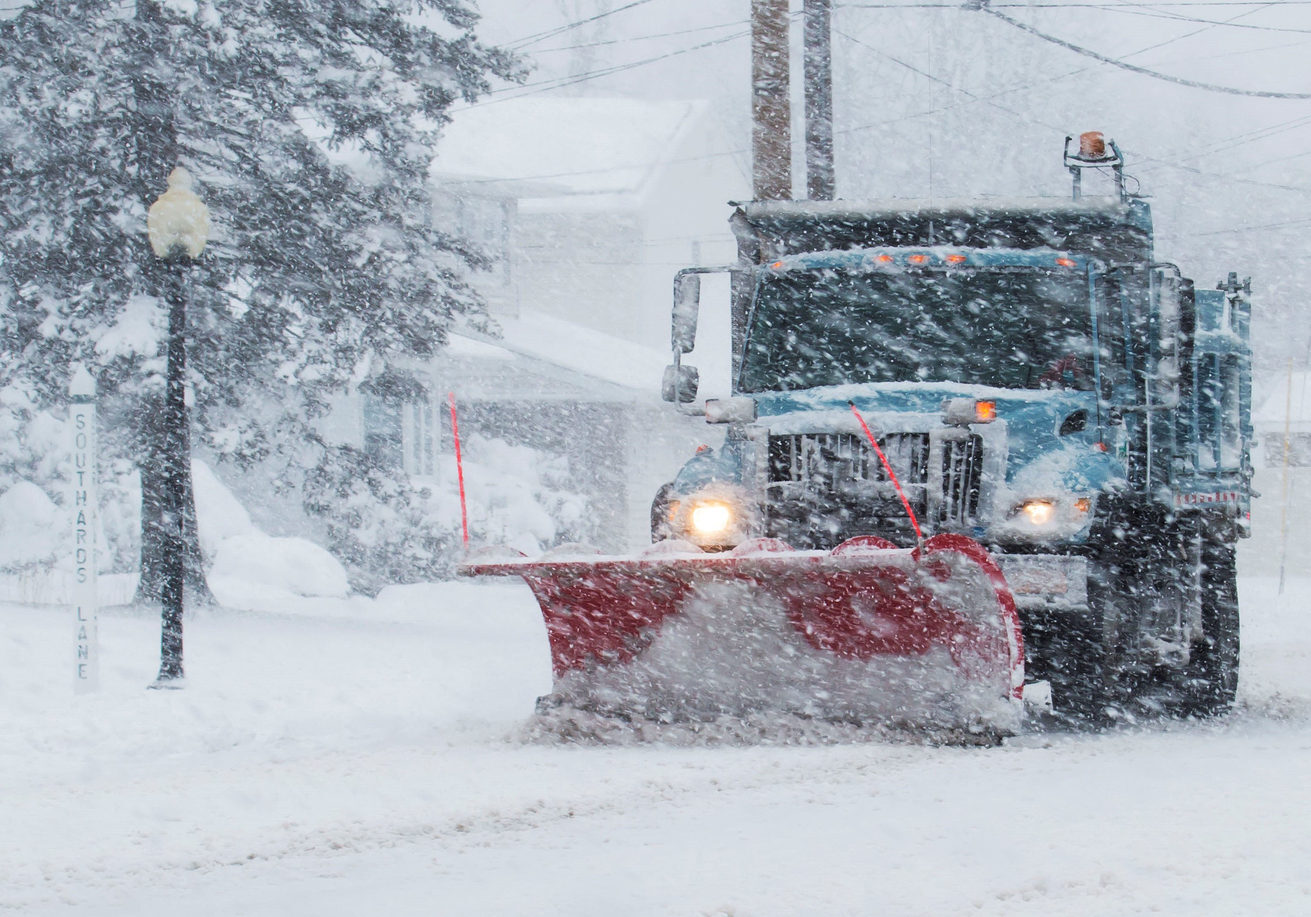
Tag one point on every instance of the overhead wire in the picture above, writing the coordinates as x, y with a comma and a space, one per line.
991, 101
1236, 230
1152, 13
650, 37
973, 98
1143, 71
962, 4
1206, 28
527, 40
572, 80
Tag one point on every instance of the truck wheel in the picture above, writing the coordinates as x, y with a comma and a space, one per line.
1210, 680
1098, 676
1080, 651
1065, 649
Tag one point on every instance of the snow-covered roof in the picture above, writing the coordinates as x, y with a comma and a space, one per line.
1287, 400
563, 147
586, 351
539, 357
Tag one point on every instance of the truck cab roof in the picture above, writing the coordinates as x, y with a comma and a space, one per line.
1104, 228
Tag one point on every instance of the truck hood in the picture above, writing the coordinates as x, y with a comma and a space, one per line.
883, 398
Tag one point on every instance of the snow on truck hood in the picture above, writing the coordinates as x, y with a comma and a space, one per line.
777, 409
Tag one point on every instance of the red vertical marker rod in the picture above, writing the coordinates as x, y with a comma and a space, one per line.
915, 523
459, 469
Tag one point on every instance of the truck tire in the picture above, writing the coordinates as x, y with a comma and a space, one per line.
1065, 650
1079, 651
1105, 675
1210, 680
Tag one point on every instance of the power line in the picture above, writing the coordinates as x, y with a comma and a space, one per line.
1221, 177
973, 97
1179, 17
551, 33
1061, 6
1241, 229
991, 101
1134, 68
620, 41
561, 82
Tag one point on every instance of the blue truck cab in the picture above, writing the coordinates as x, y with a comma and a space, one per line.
1036, 379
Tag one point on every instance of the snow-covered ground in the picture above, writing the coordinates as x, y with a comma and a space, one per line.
350, 756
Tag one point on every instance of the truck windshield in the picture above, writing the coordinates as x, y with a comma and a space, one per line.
1006, 328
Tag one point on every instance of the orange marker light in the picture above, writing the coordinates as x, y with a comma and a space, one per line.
776, 265
985, 411
1065, 262
1092, 145
955, 259
918, 259
886, 259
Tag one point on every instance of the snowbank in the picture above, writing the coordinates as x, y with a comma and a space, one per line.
250, 568
293, 565
30, 527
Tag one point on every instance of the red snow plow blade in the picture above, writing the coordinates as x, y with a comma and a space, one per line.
866, 634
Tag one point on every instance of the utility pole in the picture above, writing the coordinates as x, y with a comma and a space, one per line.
818, 71
771, 112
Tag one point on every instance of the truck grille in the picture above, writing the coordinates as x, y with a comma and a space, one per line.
827, 487
962, 467
846, 457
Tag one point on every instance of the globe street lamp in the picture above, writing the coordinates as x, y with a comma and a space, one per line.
178, 227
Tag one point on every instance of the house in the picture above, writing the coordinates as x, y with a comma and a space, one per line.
1281, 516
590, 204
585, 208
1282, 420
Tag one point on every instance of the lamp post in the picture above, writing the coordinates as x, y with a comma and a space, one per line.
178, 227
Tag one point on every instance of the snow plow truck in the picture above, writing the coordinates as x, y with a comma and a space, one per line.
974, 452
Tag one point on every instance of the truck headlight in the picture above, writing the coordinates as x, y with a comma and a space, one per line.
716, 518
1049, 516
711, 518
1037, 512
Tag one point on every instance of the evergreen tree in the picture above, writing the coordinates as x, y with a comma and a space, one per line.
308, 126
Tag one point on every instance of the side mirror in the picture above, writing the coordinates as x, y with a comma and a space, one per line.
680, 383
687, 303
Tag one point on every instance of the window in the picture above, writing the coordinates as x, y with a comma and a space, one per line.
1004, 328
382, 430
398, 425
418, 438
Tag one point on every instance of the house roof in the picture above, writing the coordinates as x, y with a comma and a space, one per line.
554, 359
580, 148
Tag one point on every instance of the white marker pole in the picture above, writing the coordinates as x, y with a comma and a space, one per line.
82, 426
